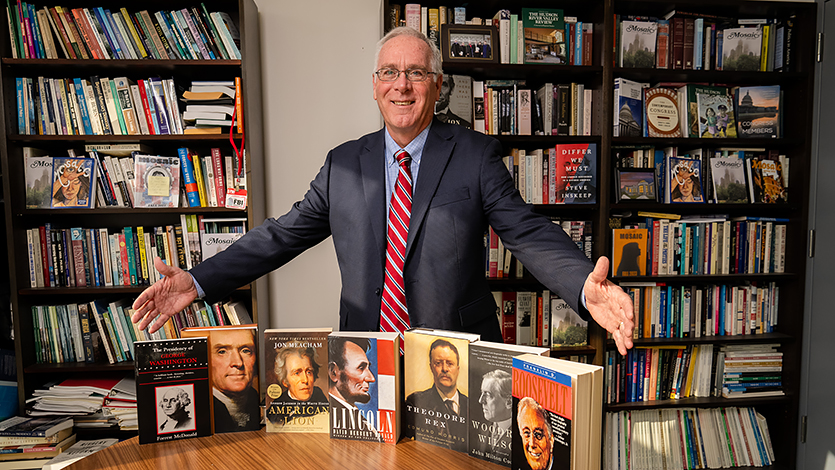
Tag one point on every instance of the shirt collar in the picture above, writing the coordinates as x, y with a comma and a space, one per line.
415, 147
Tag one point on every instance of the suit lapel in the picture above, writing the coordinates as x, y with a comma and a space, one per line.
436, 154
373, 184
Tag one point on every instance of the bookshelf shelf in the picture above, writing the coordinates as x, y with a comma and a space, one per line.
706, 278
711, 402
724, 339
118, 139
78, 367
716, 76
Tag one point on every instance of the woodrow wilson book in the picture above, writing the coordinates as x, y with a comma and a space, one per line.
364, 386
172, 389
297, 379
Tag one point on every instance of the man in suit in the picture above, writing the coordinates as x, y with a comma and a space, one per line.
460, 187
440, 412
349, 379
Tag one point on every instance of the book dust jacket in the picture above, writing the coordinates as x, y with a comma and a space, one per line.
172, 387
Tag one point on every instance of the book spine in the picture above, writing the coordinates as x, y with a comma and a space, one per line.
189, 181
97, 33
239, 108
219, 180
205, 33
152, 33
211, 27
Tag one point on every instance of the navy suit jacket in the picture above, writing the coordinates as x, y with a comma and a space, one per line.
462, 187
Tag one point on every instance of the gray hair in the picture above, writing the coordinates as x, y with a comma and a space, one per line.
435, 54
503, 380
281, 359
528, 402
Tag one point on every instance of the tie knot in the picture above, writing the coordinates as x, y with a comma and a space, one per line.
402, 157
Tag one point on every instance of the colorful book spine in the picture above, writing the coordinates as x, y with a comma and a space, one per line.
190, 183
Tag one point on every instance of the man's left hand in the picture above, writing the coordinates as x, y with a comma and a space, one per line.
609, 305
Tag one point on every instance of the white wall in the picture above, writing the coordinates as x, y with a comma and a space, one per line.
316, 60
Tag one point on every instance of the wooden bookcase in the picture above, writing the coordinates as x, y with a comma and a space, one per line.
17, 218
797, 87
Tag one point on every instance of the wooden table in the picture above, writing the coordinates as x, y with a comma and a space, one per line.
259, 449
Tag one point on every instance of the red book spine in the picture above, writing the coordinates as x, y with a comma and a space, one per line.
85, 31
65, 38
509, 317
587, 45
662, 49
689, 38
146, 107
220, 181
45, 258
677, 31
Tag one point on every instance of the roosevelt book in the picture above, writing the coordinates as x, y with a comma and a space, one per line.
172, 389
437, 387
364, 386
297, 380
491, 413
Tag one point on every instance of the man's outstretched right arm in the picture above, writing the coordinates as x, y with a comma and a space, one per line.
164, 298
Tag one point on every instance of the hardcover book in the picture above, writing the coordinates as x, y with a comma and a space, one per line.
741, 48
455, 104
758, 111
172, 389
628, 117
685, 180
557, 413
638, 41
364, 386
576, 174
728, 175
436, 387
233, 368
544, 36
38, 178
716, 115
73, 182
491, 415
661, 109
296, 380
156, 181
567, 328
629, 251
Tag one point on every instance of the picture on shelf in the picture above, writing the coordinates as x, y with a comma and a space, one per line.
728, 175
544, 31
685, 180
73, 182
636, 184
469, 43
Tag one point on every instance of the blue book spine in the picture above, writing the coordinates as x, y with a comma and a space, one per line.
188, 178
578, 43
628, 373
722, 291
108, 33
120, 42
642, 358
21, 107
30, 92
159, 97
38, 39
95, 250
82, 106
51, 267
698, 43
131, 257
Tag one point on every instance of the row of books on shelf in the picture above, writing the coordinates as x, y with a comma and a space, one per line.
676, 371
539, 319
664, 311
676, 109
688, 41
683, 438
127, 175
563, 174
123, 106
700, 245
99, 33
100, 330
97, 257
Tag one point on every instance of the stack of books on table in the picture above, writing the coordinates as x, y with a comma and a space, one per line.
27, 442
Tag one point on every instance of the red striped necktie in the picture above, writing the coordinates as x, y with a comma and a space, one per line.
394, 315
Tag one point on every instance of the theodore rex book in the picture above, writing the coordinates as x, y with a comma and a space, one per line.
437, 388
557, 412
172, 389
297, 379
491, 414
364, 386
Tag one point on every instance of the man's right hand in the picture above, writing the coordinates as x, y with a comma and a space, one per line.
164, 298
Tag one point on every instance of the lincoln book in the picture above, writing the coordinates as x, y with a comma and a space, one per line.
491, 414
233, 368
297, 380
364, 386
172, 389
557, 409
437, 387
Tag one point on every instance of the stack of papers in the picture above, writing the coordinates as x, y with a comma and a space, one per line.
120, 404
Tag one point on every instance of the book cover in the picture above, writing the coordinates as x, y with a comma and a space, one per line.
557, 413
638, 41
661, 110
576, 174
758, 111
172, 389
629, 251
73, 181
233, 372
38, 178
728, 175
296, 379
436, 387
544, 36
766, 179
156, 181
491, 415
364, 386
455, 103
716, 115
567, 328
741, 48
78, 451
628, 108
22, 426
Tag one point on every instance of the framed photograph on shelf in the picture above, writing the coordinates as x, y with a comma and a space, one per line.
635, 184
469, 43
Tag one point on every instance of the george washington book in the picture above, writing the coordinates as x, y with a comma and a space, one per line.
172, 389
364, 386
296, 365
490, 416
557, 409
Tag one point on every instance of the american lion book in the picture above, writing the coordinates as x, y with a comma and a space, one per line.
297, 380
173, 400
491, 414
437, 387
364, 386
557, 413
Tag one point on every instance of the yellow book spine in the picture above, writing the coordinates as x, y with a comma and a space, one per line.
143, 255
198, 175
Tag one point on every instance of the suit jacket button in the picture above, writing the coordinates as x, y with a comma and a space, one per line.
377, 292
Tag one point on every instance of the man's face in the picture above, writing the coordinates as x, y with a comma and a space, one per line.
407, 107
537, 441
354, 378
299, 377
444, 364
233, 361
495, 407
170, 402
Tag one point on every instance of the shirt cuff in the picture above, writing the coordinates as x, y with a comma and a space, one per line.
201, 293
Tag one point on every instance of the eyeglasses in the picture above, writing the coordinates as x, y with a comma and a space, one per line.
413, 75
